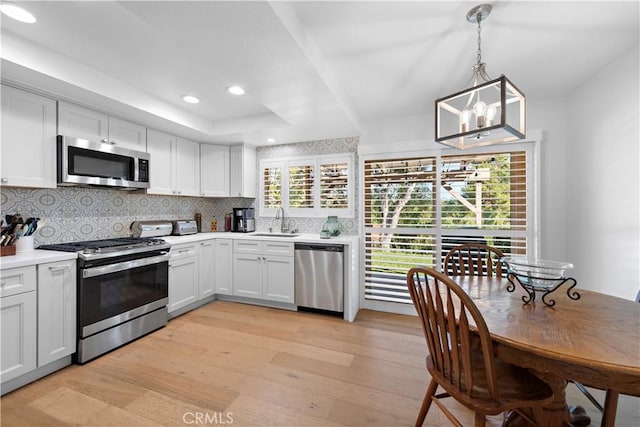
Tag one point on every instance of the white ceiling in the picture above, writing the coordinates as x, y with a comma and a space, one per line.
311, 70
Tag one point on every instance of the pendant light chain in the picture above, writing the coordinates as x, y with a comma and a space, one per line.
479, 54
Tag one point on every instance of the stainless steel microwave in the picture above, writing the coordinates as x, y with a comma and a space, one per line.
82, 162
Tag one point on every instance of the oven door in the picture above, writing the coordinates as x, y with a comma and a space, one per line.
114, 293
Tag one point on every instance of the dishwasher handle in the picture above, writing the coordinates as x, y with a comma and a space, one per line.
319, 247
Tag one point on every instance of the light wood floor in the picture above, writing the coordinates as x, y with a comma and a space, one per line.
236, 364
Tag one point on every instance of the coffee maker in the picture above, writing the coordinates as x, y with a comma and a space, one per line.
244, 220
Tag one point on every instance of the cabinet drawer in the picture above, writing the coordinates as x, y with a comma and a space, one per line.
277, 248
17, 280
247, 246
183, 251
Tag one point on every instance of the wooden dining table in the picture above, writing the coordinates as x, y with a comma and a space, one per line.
594, 340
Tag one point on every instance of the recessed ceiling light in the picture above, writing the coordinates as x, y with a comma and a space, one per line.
271, 140
17, 13
190, 99
235, 90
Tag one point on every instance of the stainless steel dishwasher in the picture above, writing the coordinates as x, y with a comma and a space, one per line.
319, 277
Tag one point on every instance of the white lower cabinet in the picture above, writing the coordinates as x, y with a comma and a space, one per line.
183, 276
206, 261
19, 335
247, 275
56, 311
38, 318
263, 270
277, 279
223, 263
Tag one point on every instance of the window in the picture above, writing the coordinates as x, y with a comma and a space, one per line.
334, 188
272, 186
301, 185
416, 209
308, 187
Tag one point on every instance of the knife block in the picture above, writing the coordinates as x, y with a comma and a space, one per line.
7, 250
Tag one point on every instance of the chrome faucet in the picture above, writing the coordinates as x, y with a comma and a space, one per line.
284, 227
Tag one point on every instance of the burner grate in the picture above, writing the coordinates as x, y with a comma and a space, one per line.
101, 244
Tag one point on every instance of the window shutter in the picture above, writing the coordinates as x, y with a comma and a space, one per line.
272, 187
301, 185
482, 198
334, 179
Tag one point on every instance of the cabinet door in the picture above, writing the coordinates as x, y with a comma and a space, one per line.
162, 148
223, 268
206, 261
28, 144
56, 311
188, 168
18, 340
214, 170
183, 282
81, 122
242, 161
277, 283
247, 275
128, 135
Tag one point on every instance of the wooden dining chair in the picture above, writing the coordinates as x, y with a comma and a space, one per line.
473, 259
461, 359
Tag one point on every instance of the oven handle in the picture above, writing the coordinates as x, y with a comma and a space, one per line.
122, 266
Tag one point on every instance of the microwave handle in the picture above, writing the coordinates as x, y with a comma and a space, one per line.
122, 266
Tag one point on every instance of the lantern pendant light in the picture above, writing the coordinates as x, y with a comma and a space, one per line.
489, 112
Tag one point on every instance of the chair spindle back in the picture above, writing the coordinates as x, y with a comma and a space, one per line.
473, 259
444, 310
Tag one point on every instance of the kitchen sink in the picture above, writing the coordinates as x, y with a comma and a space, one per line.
274, 234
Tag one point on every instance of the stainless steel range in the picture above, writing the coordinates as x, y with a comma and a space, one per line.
123, 291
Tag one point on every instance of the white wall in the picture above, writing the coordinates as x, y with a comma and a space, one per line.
604, 179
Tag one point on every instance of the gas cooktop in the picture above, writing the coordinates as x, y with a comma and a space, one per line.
109, 247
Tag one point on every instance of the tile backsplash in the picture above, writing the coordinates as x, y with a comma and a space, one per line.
75, 213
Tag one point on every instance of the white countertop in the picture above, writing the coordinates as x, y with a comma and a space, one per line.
37, 256
299, 238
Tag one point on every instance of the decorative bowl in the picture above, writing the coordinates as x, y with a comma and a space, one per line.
538, 274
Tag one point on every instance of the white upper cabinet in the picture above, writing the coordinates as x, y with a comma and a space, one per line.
162, 149
80, 122
242, 161
126, 134
188, 168
214, 170
28, 145
175, 164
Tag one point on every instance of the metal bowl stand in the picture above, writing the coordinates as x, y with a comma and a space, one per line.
531, 290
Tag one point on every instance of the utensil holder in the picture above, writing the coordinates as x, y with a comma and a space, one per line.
24, 244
